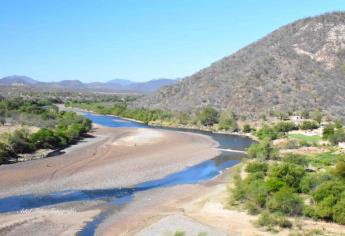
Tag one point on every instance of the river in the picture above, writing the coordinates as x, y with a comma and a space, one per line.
119, 196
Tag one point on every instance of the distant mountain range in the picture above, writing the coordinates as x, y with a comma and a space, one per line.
115, 85
300, 66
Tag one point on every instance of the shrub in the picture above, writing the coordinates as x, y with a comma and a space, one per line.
247, 128
271, 220
227, 121
252, 208
257, 192
308, 183
328, 131
285, 201
179, 233
44, 138
285, 127
263, 150
339, 169
306, 125
267, 132
208, 116
324, 208
339, 211
257, 166
19, 141
329, 188
274, 184
295, 159
291, 174
266, 219
316, 115
337, 137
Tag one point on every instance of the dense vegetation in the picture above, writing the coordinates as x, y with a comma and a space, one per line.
312, 185
206, 117
57, 128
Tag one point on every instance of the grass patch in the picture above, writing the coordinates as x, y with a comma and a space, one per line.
324, 159
306, 138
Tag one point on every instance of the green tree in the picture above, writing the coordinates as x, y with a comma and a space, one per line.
317, 116
306, 125
328, 131
285, 201
227, 121
290, 173
267, 132
247, 128
262, 151
208, 116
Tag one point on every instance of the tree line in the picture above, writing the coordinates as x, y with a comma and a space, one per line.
57, 128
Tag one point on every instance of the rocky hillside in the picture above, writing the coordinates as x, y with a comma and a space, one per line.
299, 66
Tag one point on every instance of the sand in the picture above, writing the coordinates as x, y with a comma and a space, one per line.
115, 157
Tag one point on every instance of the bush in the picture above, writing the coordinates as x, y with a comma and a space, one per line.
267, 132
291, 174
5, 153
328, 131
324, 208
227, 121
306, 125
285, 201
252, 208
19, 141
257, 166
337, 137
271, 220
263, 150
308, 183
285, 127
339, 211
274, 184
339, 169
257, 192
329, 188
44, 138
247, 128
266, 219
295, 159
208, 116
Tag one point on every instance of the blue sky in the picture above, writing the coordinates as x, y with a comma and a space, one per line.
99, 40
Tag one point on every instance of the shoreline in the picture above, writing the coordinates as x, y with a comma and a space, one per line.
186, 127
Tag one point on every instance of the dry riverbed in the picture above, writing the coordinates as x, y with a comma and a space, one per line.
114, 158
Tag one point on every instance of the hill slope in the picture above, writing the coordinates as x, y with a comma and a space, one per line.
299, 66
116, 85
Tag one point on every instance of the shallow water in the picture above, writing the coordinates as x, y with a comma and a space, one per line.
119, 196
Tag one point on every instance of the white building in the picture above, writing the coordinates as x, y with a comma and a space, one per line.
342, 145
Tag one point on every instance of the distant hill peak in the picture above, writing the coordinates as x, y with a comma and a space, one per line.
17, 79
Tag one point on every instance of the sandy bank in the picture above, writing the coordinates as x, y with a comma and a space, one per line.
117, 157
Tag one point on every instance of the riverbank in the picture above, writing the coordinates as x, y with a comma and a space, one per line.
114, 158
164, 125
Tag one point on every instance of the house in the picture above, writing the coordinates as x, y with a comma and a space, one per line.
342, 145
